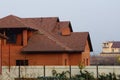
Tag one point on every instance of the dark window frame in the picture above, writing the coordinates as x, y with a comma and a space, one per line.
22, 63
11, 37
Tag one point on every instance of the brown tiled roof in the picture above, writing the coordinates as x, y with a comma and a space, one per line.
76, 40
116, 44
73, 43
45, 39
46, 23
11, 22
40, 43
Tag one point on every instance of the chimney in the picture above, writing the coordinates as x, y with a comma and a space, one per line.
65, 31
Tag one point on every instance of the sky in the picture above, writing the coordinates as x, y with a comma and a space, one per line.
101, 18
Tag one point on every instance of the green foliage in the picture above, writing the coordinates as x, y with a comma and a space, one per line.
64, 75
110, 76
85, 75
118, 77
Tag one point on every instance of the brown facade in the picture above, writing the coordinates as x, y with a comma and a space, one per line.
11, 53
42, 46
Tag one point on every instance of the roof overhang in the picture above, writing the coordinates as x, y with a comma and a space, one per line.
39, 52
28, 28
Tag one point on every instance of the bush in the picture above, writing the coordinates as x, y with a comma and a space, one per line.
110, 76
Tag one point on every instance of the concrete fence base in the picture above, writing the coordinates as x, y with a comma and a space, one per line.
10, 73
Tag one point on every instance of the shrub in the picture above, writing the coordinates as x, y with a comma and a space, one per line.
110, 76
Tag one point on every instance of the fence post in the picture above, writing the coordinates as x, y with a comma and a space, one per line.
70, 71
19, 72
97, 70
44, 70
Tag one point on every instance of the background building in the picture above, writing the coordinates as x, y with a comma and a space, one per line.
110, 54
111, 48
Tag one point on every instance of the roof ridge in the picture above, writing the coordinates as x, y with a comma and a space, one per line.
20, 20
24, 23
40, 17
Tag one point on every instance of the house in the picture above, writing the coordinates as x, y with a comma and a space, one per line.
111, 48
42, 41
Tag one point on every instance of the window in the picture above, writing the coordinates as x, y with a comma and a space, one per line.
11, 36
21, 62
105, 45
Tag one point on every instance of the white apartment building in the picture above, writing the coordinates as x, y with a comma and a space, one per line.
111, 48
